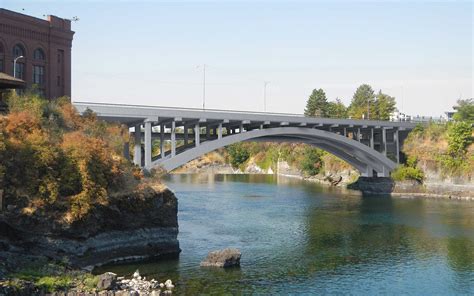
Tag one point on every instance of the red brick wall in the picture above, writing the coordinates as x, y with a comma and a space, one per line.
53, 36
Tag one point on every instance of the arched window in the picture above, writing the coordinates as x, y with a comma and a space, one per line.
38, 54
18, 50
19, 66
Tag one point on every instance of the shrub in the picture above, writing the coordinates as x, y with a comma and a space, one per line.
238, 154
410, 171
50, 152
311, 163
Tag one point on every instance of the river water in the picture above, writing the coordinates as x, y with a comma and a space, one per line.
300, 238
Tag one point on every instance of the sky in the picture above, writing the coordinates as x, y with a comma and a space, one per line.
149, 52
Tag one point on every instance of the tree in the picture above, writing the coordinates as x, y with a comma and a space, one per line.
317, 104
362, 101
465, 110
384, 106
336, 109
311, 163
238, 154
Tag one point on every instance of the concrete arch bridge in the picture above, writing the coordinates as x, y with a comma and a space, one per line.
372, 147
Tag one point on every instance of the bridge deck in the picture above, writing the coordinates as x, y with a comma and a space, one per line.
133, 114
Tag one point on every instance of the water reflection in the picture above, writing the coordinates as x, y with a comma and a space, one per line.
300, 238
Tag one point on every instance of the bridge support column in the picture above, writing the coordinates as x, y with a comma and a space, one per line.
384, 173
219, 131
372, 138
148, 143
137, 151
197, 132
359, 136
208, 132
384, 142
241, 128
397, 145
369, 172
162, 140
173, 138
186, 137
345, 132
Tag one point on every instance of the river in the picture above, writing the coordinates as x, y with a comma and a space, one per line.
300, 238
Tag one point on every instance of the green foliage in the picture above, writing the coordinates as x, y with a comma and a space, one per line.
268, 157
446, 148
365, 104
316, 106
54, 283
465, 110
337, 110
410, 171
384, 106
311, 163
30, 101
455, 160
459, 138
362, 101
238, 154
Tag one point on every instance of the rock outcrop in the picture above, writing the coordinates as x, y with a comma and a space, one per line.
222, 258
136, 226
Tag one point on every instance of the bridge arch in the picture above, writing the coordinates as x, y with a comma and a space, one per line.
363, 158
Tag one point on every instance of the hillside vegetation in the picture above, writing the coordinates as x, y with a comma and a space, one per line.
53, 158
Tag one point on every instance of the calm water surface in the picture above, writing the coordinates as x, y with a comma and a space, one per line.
303, 239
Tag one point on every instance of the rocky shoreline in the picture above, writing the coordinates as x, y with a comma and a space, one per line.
138, 226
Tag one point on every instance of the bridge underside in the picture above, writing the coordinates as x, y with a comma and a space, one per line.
180, 135
366, 160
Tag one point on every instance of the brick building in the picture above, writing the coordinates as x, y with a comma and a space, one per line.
46, 49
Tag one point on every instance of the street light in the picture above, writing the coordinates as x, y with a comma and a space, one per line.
14, 65
265, 95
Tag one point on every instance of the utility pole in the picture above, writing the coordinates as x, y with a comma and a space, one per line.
265, 83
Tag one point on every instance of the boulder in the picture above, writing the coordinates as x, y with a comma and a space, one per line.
222, 258
107, 281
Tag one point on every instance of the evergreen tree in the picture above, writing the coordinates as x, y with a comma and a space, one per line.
384, 106
317, 104
362, 104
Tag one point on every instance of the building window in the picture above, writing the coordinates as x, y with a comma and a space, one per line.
19, 71
18, 50
38, 54
19, 68
38, 75
59, 81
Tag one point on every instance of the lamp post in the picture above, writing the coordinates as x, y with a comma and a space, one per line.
14, 65
265, 95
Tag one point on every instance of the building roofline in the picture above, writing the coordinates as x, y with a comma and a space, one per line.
29, 18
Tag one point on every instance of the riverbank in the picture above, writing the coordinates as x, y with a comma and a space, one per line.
40, 252
346, 179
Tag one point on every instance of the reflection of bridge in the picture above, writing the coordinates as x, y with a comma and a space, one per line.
372, 147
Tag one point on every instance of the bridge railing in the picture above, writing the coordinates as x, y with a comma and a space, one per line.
191, 109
